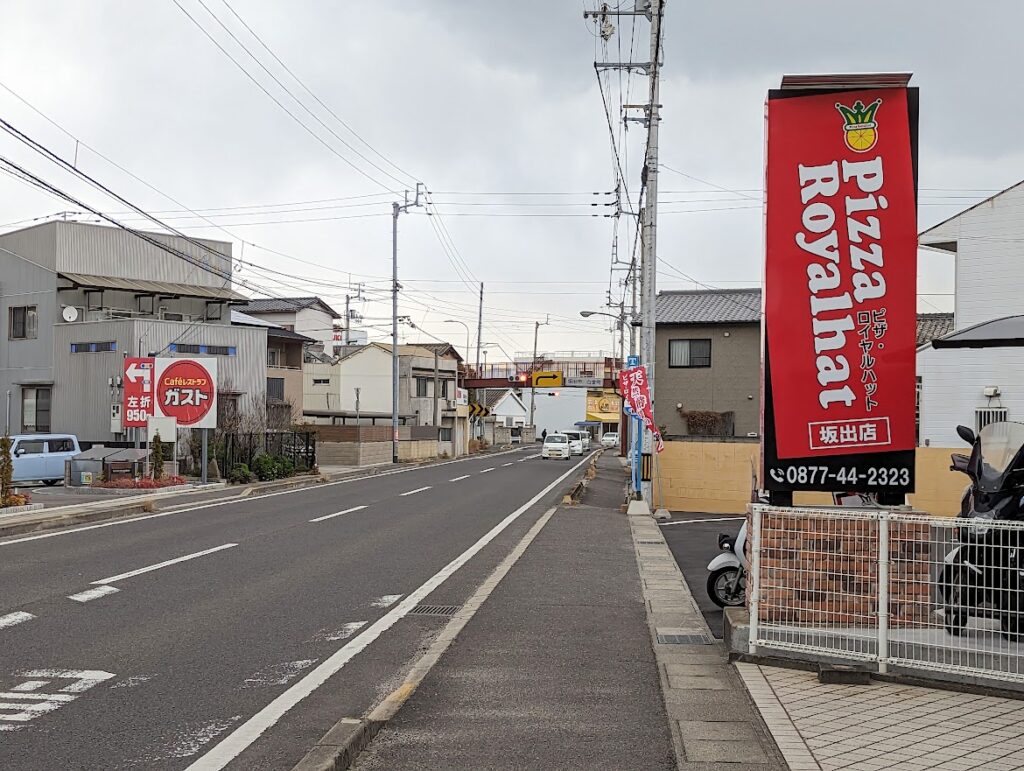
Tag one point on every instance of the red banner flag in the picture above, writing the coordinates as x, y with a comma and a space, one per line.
637, 394
840, 276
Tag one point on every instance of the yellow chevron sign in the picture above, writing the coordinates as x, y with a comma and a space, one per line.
478, 410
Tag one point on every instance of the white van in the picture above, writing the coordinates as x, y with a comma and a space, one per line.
40, 457
575, 441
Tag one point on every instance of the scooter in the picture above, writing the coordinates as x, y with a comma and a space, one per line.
984, 574
727, 579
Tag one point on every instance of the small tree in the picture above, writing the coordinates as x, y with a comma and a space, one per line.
6, 469
158, 457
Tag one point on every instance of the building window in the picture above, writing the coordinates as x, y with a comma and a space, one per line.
445, 435
106, 347
321, 381
35, 410
24, 323
421, 386
209, 350
275, 388
444, 388
274, 357
689, 353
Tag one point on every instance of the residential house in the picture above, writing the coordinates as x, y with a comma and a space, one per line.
506, 407
308, 316
285, 383
975, 374
708, 362
78, 298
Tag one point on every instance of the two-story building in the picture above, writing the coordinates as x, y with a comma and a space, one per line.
285, 360
307, 316
76, 299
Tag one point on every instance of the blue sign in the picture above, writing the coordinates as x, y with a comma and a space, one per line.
633, 360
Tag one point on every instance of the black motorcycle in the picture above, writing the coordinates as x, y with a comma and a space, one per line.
984, 574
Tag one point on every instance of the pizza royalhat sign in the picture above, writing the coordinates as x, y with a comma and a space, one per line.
840, 282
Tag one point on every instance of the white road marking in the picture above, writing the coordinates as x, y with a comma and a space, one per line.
92, 594
24, 704
278, 674
338, 513
417, 490
484, 471
175, 561
386, 601
232, 500
506, 464
459, 479
695, 521
131, 682
344, 633
242, 737
12, 619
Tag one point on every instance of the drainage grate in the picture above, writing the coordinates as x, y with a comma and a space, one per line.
435, 610
684, 639
652, 542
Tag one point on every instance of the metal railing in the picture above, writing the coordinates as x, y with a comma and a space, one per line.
894, 589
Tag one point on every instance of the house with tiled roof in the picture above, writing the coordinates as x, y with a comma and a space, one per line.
309, 316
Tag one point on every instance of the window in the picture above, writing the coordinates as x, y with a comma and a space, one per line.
274, 357
445, 435
105, 347
210, 350
444, 388
421, 386
275, 388
321, 381
59, 445
145, 303
689, 353
29, 447
35, 410
214, 311
24, 323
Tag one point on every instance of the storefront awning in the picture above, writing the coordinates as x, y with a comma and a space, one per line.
604, 417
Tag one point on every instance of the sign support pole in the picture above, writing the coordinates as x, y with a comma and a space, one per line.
205, 461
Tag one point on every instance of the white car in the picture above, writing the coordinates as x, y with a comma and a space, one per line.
575, 441
40, 457
555, 446
610, 439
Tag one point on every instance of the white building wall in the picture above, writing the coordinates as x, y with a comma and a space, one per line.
370, 371
558, 412
315, 323
952, 380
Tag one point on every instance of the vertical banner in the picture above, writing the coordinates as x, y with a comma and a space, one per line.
637, 394
840, 287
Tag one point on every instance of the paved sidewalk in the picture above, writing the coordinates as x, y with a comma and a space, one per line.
884, 725
555, 670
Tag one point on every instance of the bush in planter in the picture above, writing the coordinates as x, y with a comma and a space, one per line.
6, 469
283, 467
240, 475
158, 457
263, 467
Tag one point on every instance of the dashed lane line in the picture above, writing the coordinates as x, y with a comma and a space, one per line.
505, 464
337, 514
459, 479
484, 471
417, 490
175, 561
13, 619
92, 594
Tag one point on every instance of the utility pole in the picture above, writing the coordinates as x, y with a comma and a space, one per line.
479, 329
533, 368
648, 265
396, 209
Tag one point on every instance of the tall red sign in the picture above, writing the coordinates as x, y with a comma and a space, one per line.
841, 272
137, 406
185, 391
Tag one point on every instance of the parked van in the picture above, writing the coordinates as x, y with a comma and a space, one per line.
40, 457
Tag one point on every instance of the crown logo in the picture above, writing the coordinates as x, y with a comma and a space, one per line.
859, 124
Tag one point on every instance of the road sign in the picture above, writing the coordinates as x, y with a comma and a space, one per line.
182, 389
584, 382
632, 360
547, 379
478, 410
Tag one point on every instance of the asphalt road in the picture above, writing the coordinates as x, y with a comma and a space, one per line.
239, 632
693, 540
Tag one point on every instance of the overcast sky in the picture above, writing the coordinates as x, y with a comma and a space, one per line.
484, 101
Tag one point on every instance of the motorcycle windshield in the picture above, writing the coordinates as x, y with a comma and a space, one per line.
1000, 444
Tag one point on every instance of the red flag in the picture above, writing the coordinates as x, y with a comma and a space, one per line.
637, 393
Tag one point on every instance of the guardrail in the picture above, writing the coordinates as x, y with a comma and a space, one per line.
890, 589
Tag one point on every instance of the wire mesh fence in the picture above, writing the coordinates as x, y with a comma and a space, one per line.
893, 588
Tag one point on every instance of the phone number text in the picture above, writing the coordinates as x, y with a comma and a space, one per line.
883, 476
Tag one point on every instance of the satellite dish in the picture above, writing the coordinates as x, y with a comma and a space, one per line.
70, 313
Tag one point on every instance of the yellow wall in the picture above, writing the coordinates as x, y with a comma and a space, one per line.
715, 477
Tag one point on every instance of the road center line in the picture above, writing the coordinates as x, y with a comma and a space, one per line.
242, 737
459, 479
417, 490
506, 464
175, 561
484, 471
92, 594
338, 513
12, 619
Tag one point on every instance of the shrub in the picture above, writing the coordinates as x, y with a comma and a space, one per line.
6, 469
144, 483
240, 474
263, 467
283, 467
158, 457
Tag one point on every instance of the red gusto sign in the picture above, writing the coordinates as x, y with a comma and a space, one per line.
185, 391
840, 273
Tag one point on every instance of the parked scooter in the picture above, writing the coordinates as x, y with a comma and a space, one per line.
984, 574
727, 579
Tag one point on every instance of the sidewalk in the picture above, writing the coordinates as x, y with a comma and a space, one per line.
557, 669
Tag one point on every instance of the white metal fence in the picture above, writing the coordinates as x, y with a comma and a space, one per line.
893, 588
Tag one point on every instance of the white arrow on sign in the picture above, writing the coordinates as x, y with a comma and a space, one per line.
133, 372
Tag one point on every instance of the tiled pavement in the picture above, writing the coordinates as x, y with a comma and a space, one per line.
885, 726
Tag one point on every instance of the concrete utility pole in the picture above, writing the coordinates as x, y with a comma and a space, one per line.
455, 432
396, 209
533, 367
479, 329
